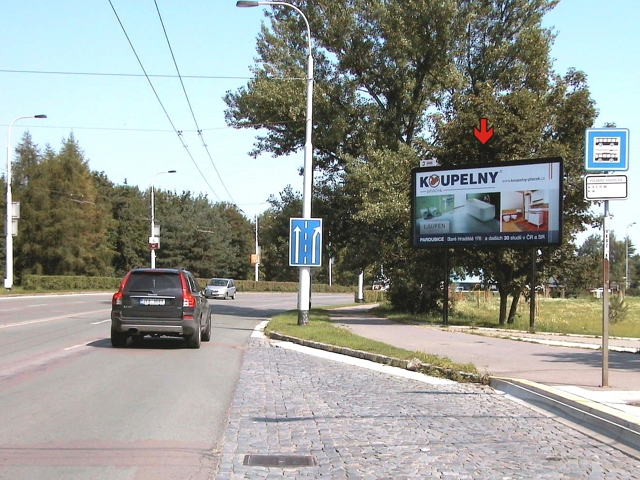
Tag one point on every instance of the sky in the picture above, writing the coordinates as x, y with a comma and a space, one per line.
124, 131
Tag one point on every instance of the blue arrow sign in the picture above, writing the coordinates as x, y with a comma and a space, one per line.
606, 149
305, 242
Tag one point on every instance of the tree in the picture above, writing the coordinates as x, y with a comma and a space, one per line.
64, 224
400, 81
130, 230
274, 235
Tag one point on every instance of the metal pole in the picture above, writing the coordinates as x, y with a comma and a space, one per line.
153, 252
605, 298
445, 309
257, 265
532, 299
305, 272
153, 213
627, 284
304, 292
8, 281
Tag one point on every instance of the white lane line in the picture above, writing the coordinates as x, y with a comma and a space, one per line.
75, 346
50, 319
101, 321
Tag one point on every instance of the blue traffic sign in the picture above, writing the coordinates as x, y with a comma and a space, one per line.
305, 242
606, 149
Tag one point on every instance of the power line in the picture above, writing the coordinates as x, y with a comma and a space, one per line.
137, 75
153, 130
178, 133
193, 115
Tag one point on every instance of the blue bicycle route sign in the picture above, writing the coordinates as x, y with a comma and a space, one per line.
305, 242
606, 149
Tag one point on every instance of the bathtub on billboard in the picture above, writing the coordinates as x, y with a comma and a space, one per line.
511, 203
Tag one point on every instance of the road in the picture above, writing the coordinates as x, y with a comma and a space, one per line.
73, 407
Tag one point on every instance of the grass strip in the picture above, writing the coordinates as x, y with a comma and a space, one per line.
323, 331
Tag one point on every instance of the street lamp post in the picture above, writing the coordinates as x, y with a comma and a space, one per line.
8, 281
153, 225
257, 264
627, 284
304, 293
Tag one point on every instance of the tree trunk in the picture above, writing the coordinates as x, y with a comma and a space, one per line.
503, 307
514, 308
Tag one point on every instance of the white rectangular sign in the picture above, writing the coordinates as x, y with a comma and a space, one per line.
605, 187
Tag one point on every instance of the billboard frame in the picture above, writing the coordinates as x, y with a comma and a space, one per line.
547, 210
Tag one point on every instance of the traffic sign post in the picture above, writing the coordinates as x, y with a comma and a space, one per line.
305, 242
606, 149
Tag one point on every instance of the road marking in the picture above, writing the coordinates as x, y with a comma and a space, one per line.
50, 319
75, 346
101, 321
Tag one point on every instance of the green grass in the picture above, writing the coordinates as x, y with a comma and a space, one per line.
321, 329
568, 316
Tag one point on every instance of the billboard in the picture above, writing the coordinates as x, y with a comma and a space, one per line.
512, 203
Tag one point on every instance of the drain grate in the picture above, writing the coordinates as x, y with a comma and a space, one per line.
280, 461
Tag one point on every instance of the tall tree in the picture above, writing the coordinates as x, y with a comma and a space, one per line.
418, 75
64, 227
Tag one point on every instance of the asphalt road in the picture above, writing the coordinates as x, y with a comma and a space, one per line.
73, 407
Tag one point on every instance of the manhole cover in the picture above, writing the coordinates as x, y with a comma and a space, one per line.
280, 460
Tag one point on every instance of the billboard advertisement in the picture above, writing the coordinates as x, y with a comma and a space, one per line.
512, 203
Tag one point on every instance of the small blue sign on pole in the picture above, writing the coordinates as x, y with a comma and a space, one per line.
305, 242
606, 149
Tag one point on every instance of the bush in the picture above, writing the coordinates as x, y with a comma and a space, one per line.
68, 282
618, 309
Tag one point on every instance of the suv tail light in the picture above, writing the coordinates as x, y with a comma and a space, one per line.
117, 297
188, 300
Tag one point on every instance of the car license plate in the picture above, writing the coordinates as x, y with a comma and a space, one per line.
152, 301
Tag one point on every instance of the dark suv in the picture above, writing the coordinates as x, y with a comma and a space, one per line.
159, 301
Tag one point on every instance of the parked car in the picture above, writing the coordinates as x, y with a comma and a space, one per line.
381, 283
220, 288
159, 302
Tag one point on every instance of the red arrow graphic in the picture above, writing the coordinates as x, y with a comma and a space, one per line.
483, 134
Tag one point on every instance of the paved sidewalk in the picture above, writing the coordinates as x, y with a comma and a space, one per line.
571, 363
351, 419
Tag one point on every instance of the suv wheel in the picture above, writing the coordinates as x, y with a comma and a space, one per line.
233, 297
118, 339
206, 336
193, 340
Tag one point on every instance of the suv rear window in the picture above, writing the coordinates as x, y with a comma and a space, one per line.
159, 283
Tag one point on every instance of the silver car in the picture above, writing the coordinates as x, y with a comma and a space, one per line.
220, 288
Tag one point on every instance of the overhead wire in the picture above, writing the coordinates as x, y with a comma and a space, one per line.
178, 133
193, 115
107, 74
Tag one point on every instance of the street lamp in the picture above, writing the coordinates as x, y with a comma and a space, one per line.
258, 249
8, 281
626, 271
153, 226
304, 293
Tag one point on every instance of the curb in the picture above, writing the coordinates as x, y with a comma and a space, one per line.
412, 365
608, 422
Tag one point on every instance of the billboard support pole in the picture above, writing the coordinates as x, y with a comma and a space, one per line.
605, 297
445, 309
532, 293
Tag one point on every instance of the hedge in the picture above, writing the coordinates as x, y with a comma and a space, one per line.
73, 283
